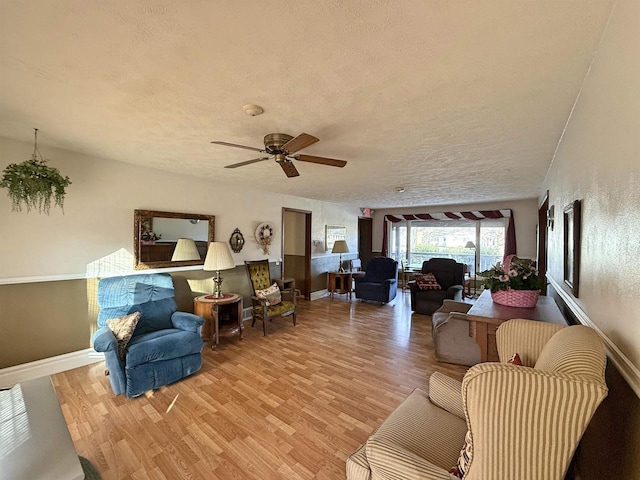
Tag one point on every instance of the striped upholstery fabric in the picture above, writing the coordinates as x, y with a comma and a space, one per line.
525, 423
404, 447
358, 466
527, 338
576, 350
445, 392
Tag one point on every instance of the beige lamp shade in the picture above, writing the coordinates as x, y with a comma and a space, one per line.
470, 244
218, 257
340, 246
185, 250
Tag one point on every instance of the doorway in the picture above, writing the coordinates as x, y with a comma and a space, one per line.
365, 239
296, 248
543, 240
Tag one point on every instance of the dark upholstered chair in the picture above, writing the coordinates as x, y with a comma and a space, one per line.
260, 279
450, 276
166, 344
380, 282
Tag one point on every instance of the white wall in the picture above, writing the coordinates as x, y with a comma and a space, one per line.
98, 214
525, 214
598, 162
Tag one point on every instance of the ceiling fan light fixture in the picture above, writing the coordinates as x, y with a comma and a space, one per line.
252, 109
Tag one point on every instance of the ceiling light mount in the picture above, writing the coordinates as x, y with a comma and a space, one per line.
399, 189
252, 109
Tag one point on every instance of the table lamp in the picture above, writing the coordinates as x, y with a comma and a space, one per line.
218, 258
340, 246
185, 250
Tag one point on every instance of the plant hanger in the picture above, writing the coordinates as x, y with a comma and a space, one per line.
33, 183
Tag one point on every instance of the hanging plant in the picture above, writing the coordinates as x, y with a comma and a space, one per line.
33, 183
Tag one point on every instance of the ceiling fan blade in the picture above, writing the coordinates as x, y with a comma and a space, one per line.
227, 144
248, 162
301, 141
289, 169
321, 160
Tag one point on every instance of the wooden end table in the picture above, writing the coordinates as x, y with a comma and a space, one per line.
212, 309
486, 316
340, 282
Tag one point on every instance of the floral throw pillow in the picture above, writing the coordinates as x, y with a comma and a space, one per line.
427, 281
515, 360
122, 328
464, 460
270, 295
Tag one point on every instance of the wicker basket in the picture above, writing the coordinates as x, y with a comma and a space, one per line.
516, 298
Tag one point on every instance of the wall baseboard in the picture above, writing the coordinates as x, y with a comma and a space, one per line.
48, 366
627, 369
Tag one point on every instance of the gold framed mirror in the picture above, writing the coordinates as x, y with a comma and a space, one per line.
171, 239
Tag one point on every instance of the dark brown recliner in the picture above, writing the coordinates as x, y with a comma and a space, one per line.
450, 276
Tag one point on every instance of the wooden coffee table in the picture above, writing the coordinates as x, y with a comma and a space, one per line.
486, 316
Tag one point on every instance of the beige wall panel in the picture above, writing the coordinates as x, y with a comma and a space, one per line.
41, 320
598, 162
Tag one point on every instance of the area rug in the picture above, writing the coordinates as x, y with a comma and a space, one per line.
90, 472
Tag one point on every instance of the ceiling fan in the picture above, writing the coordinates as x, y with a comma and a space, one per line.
282, 147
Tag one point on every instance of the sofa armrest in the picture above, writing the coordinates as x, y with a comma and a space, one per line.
527, 338
449, 306
188, 322
537, 418
104, 340
453, 289
446, 393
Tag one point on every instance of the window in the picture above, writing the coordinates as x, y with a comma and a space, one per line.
417, 241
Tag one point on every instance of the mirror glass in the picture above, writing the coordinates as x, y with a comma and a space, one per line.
160, 238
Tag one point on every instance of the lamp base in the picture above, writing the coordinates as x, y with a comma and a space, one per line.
217, 286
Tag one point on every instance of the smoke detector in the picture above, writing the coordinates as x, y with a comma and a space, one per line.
253, 110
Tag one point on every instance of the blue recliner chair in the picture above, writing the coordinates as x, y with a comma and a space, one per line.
380, 282
166, 344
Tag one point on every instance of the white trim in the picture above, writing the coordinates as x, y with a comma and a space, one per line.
319, 294
48, 366
627, 369
84, 276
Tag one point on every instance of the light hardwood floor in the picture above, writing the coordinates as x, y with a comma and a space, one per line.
292, 405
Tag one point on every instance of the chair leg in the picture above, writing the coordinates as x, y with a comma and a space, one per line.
294, 319
264, 327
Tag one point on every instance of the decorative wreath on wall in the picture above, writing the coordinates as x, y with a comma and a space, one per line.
264, 234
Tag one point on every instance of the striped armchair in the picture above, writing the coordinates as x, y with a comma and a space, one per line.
523, 422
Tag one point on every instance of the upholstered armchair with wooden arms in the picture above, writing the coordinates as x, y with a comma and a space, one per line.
264, 306
522, 422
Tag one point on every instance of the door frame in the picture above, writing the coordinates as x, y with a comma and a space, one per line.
543, 240
307, 247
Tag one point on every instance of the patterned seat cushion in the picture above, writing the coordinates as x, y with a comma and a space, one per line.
404, 446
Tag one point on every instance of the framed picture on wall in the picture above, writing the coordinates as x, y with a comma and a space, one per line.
572, 220
332, 234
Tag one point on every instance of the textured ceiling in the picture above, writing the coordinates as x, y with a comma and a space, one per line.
457, 102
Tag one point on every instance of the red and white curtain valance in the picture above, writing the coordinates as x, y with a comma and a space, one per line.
510, 241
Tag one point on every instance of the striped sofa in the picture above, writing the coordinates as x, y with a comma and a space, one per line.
523, 422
